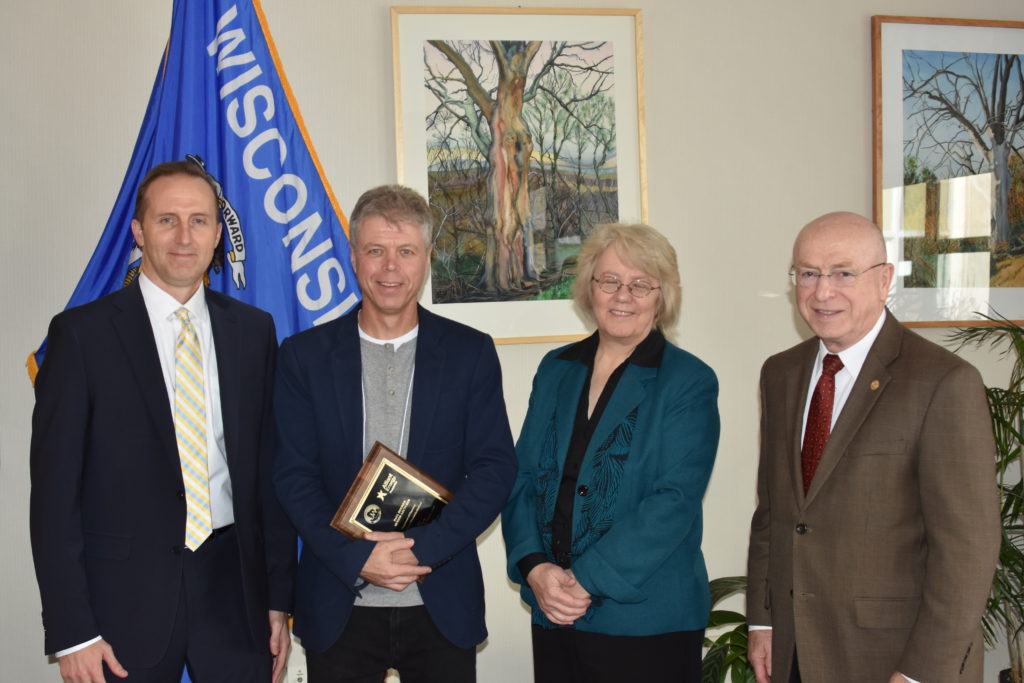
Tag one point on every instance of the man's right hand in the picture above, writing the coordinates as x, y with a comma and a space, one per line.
759, 653
86, 665
559, 594
392, 563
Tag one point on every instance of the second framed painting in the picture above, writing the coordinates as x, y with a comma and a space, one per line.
949, 170
524, 128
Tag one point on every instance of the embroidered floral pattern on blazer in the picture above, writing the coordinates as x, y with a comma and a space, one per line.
548, 479
593, 517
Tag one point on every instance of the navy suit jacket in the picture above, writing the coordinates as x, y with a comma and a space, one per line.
107, 504
459, 434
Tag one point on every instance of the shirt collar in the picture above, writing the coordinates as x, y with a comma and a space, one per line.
853, 358
396, 342
646, 354
162, 306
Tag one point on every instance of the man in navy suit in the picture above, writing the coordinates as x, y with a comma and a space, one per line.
428, 388
125, 590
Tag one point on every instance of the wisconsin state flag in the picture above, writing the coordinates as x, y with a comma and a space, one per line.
221, 100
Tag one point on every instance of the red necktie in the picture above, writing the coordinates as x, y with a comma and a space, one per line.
819, 418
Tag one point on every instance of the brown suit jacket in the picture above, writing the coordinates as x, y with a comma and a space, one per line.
885, 565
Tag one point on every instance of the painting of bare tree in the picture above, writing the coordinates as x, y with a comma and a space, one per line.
948, 130
964, 116
524, 128
521, 162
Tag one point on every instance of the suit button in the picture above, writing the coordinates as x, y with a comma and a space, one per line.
181, 495
801, 528
176, 549
583, 490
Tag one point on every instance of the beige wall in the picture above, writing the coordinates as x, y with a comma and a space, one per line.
758, 119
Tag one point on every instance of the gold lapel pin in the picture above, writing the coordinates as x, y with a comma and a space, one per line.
874, 385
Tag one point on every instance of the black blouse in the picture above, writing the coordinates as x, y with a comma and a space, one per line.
647, 354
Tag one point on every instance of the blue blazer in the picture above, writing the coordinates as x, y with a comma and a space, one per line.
636, 536
107, 506
459, 434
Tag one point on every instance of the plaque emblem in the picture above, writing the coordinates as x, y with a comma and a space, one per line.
372, 514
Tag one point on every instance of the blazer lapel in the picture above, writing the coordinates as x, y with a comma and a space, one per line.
568, 397
347, 372
131, 323
870, 384
426, 383
629, 393
227, 340
797, 382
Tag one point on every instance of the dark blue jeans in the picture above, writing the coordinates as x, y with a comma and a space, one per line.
404, 638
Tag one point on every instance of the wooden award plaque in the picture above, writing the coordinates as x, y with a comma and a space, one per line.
389, 494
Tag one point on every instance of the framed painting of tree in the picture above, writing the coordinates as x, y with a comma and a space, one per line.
524, 128
949, 166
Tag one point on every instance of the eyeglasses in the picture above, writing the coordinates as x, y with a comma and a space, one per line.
637, 288
806, 278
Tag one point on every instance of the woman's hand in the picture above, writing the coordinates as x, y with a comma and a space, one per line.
559, 595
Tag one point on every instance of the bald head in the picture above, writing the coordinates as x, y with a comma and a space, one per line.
848, 226
841, 310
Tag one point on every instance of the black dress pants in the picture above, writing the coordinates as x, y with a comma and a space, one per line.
211, 635
794, 671
376, 639
565, 655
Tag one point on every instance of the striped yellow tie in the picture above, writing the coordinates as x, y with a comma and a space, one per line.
190, 428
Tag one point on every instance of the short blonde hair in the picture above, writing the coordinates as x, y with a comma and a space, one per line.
642, 247
393, 203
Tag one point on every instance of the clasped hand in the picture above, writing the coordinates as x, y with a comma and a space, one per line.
392, 563
559, 595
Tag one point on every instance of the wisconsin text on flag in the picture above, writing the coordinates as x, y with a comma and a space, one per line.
222, 101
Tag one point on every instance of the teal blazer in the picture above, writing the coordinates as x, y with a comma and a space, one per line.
636, 544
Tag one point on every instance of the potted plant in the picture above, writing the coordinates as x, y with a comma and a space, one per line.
727, 653
1004, 614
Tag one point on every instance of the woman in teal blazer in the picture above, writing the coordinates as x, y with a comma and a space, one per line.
603, 527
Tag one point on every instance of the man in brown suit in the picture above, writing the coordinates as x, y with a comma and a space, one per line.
876, 533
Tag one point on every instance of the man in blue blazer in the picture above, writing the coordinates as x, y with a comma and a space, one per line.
428, 388
124, 590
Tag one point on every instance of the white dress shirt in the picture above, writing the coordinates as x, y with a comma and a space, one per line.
853, 360
161, 307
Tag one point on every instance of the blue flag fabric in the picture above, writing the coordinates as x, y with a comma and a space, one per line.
221, 100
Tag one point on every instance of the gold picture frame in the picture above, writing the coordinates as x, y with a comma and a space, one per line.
949, 195
507, 228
